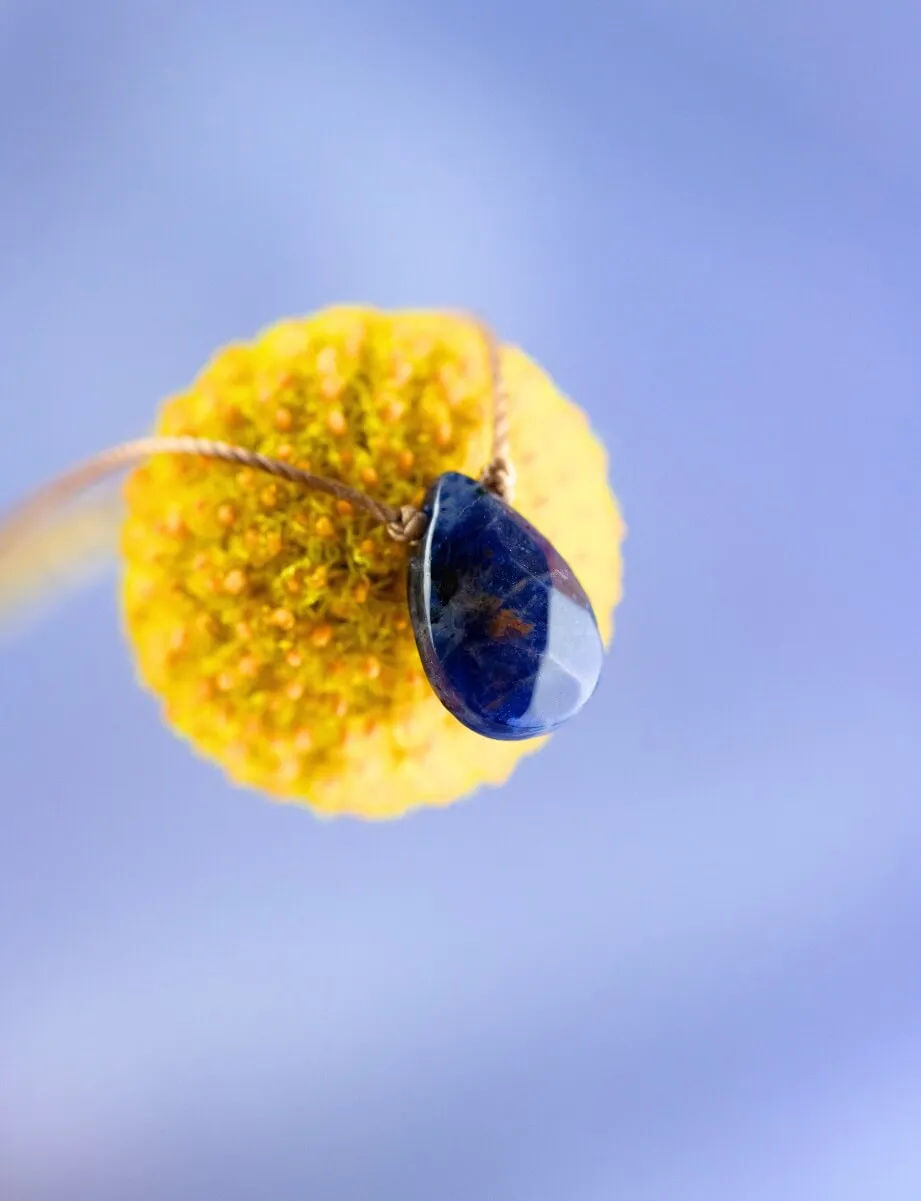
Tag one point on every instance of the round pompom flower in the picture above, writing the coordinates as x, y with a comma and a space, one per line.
272, 622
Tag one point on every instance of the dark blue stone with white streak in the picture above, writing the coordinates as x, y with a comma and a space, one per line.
506, 633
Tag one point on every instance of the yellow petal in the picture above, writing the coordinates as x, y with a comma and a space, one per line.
257, 632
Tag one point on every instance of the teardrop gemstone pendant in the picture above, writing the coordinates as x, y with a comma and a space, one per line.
506, 633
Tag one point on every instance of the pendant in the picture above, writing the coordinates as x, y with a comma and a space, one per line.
505, 631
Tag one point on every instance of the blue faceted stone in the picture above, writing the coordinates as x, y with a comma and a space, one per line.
506, 633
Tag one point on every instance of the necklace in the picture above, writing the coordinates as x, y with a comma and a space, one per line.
505, 632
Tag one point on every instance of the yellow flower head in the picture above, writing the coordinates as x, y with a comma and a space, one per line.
272, 621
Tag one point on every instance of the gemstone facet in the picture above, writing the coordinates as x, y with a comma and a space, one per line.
506, 633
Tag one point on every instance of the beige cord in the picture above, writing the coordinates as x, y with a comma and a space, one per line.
498, 475
406, 524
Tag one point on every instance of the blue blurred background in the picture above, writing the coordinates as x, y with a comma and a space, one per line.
679, 957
